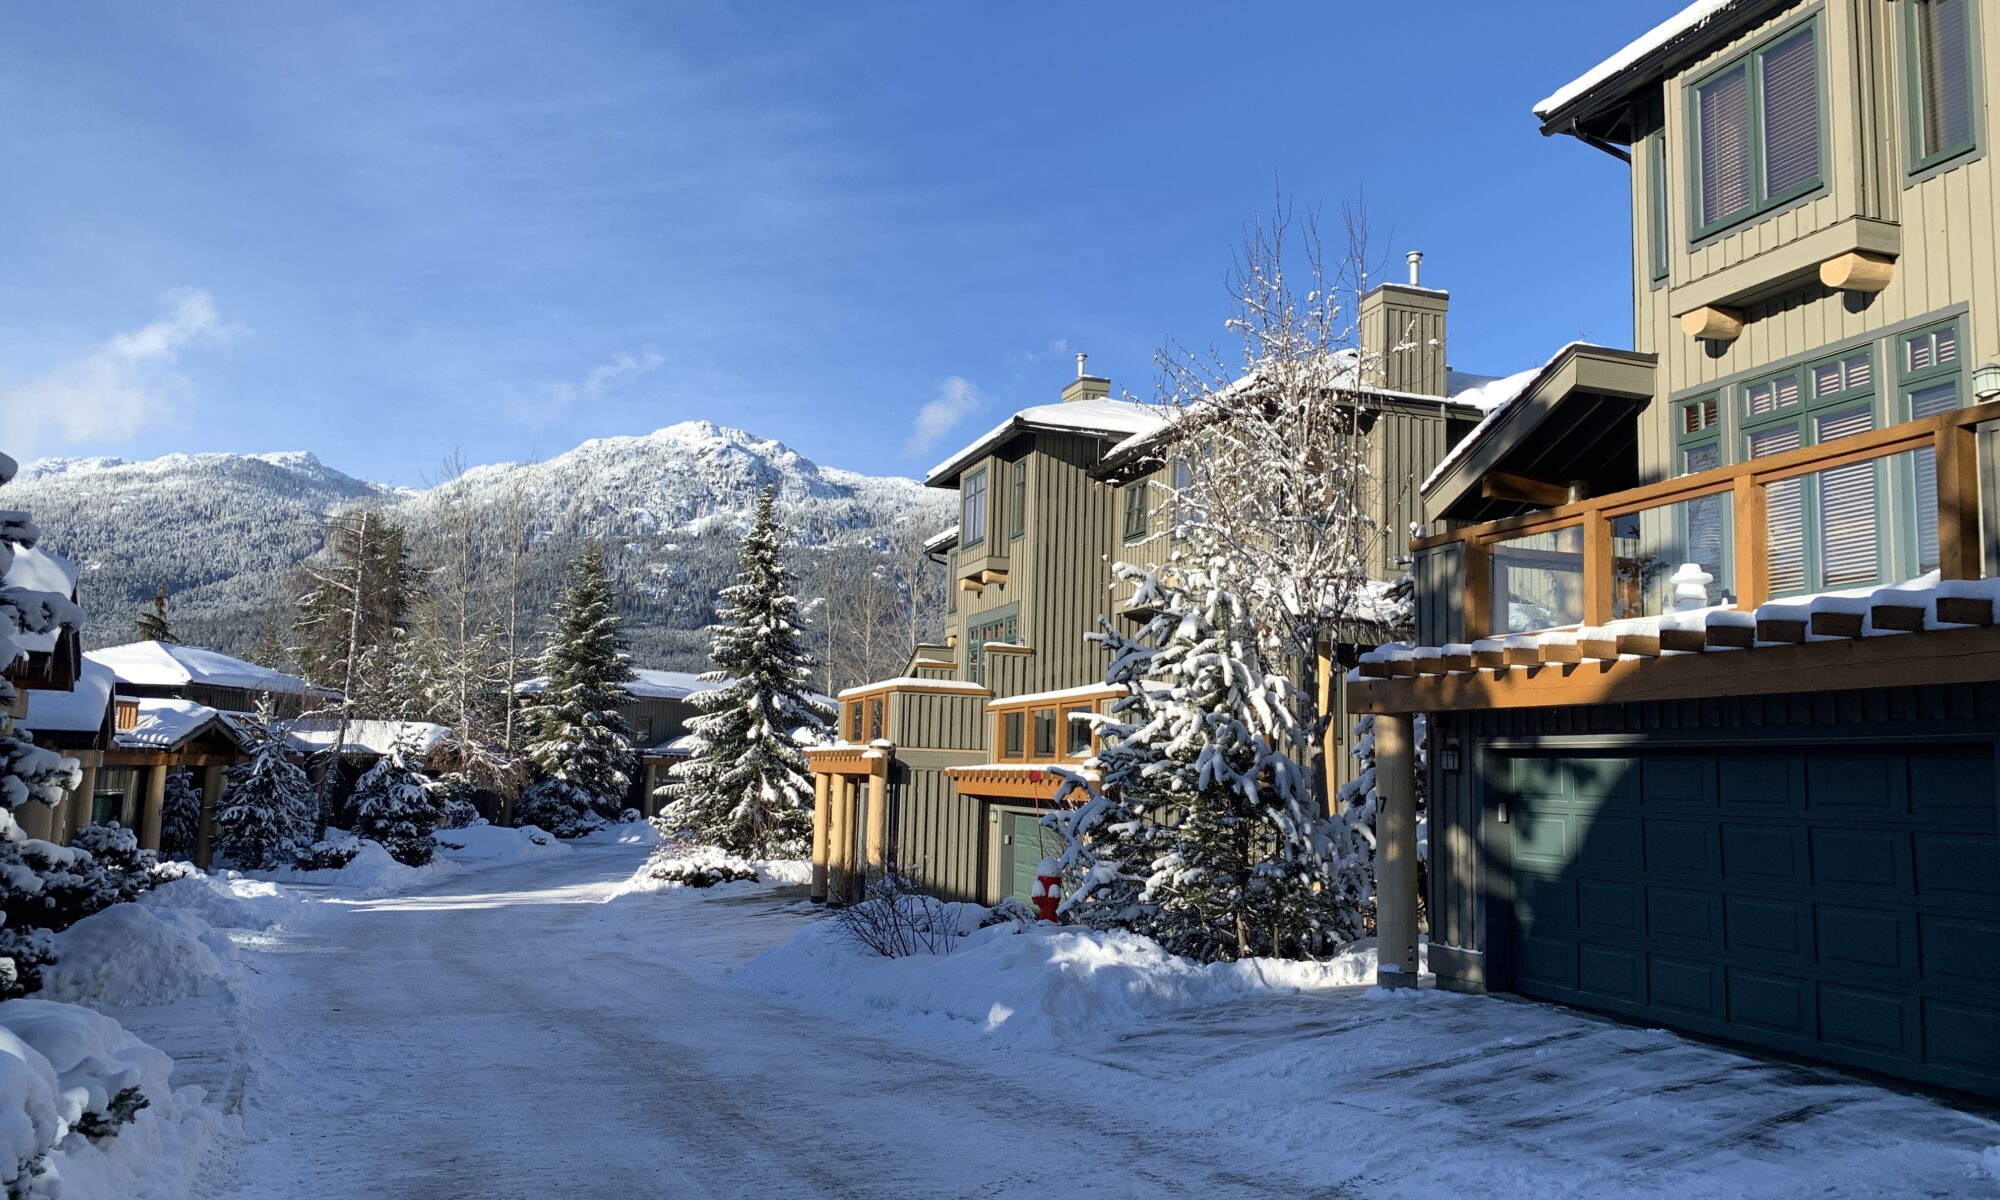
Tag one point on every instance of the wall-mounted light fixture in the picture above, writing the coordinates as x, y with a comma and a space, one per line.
1986, 381
1448, 757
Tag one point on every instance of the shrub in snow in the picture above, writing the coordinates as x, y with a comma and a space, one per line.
180, 820
746, 787
128, 955
900, 918
1203, 835
399, 808
266, 816
456, 810
581, 748
330, 853
697, 866
1010, 912
629, 816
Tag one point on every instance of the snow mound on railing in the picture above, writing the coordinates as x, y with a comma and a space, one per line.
1031, 987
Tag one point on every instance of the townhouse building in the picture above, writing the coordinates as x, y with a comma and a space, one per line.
1711, 671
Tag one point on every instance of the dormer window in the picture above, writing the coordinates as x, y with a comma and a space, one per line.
972, 525
1757, 131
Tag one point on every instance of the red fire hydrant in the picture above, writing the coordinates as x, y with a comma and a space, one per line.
1048, 889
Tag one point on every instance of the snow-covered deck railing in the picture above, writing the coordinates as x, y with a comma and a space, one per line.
1578, 542
910, 683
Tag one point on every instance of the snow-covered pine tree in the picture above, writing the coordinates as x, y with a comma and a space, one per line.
1210, 813
581, 747
266, 815
180, 819
152, 621
398, 808
746, 787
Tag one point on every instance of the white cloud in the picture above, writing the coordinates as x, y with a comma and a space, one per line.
118, 387
956, 400
559, 396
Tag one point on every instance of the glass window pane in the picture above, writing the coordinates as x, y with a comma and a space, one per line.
1011, 740
1791, 114
1928, 402
1784, 515
1848, 532
1723, 111
1538, 581
1944, 75
975, 508
1045, 733
1078, 725
1651, 547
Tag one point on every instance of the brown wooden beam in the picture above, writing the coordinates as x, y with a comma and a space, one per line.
1505, 485
1907, 618
1598, 647
1954, 611
1837, 624
1793, 632
1943, 656
1729, 637
1687, 641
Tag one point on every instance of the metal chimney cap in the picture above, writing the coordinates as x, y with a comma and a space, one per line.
1080, 359
1416, 258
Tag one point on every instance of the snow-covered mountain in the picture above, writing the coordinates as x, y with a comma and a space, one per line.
227, 532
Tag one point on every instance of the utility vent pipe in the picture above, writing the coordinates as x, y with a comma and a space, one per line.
1416, 267
1079, 364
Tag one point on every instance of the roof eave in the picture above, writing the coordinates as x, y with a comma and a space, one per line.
1590, 117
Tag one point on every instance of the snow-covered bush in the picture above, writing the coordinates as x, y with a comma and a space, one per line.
559, 807
456, 811
1011, 912
102, 866
399, 808
330, 853
746, 787
180, 819
900, 918
129, 954
267, 811
697, 866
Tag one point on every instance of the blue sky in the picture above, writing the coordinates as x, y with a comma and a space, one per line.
385, 231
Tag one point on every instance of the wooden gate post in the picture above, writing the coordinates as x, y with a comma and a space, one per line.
1395, 850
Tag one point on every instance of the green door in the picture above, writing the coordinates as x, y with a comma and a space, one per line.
1023, 845
1840, 903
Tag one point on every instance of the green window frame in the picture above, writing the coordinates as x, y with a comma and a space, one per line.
972, 515
1657, 234
1941, 93
1823, 531
1017, 502
1930, 379
1135, 510
1698, 448
998, 629
1757, 131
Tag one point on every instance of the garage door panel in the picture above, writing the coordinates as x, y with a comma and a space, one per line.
1611, 972
1875, 861
1962, 1036
1681, 848
1543, 840
1610, 783
1548, 960
1945, 784
1779, 1003
1867, 1019
1873, 784
1766, 928
1547, 901
1609, 908
1959, 952
1865, 942
1607, 842
1679, 781
1765, 855
1958, 868
1685, 985
1684, 919
1762, 783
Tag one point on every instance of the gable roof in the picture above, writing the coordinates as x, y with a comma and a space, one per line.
166, 724
168, 664
82, 709
1103, 417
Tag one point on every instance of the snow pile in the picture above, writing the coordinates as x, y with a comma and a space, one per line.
129, 954
1031, 987
486, 845
87, 1111
229, 900
626, 833
682, 866
371, 872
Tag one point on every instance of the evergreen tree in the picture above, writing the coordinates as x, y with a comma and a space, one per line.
581, 748
180, 818
1204, 836
265, 818
152, 622
398, 808
746, 787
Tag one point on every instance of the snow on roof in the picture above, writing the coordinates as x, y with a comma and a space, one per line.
645, 684
1092, 691
79, 710
677, 747
369, 737
1103, 416
1496, 399
37, 570
167, 664
1682, 23
940, 539
164, 724
922, 685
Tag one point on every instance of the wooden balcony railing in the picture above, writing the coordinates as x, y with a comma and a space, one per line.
1953, 437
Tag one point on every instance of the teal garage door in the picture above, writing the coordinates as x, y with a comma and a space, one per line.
1842, 904
1023, 845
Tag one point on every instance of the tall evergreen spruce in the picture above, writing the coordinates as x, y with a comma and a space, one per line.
581, 747
746, 787
398, 808
152, 622
265, 816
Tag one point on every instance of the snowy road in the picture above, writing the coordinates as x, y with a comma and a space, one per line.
510, 1034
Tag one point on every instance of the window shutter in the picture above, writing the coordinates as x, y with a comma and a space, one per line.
1784, 515
1847, 507
1724, 108
1944, 75
1791, 114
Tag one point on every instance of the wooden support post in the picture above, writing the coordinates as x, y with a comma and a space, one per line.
1958, 502
213, 780
37, 820
76, 813
1752, 564
153, 815
840, 841
1396, 850
1597, 573
878, 815
1476, 561
822, 836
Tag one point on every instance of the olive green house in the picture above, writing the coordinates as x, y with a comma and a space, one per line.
1706, 629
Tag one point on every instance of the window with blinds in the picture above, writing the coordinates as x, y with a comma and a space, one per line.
1930, 385
1756, 131
1847, 537
973, 520
1941, 81
1135, 510
1784, 514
